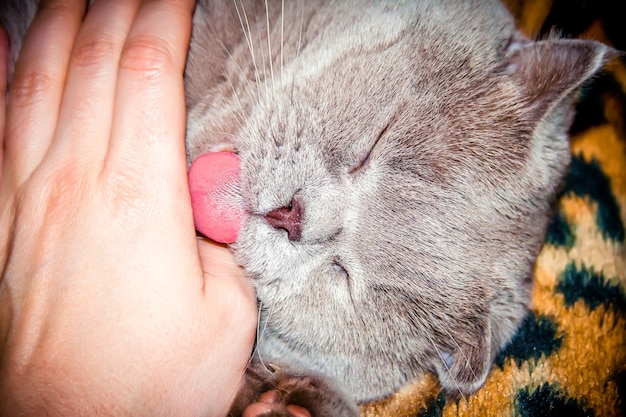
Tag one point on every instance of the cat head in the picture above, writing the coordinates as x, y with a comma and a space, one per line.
398, 162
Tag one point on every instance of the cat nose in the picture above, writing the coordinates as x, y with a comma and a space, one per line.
288, 218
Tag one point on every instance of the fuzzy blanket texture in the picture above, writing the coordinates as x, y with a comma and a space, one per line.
569, 356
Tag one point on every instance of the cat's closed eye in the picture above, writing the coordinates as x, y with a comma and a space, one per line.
363, 163
339, 269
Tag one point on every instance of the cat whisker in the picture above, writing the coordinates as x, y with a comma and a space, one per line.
222, 274
241, 74
300, 33
467, 361
258, 342
443, 361
282, 37
247, 33
259, 334
269, 44
216, 274
227, 134
242, 119
223, 261
293, 86
262, 50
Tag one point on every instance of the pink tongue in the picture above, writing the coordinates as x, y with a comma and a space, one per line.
218, 208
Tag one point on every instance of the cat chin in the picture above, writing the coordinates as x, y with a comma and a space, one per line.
361, 384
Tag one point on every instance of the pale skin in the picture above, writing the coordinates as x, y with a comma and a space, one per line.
109, 305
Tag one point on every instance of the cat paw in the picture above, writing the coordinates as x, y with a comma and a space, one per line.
269, 405
281, 392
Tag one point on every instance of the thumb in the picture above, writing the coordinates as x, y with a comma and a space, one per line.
217, 259
224, 279
219, 266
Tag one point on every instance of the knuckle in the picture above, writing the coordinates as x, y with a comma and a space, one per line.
125, 197
54, 8
147, 54
54, 193
94, 52
29, 86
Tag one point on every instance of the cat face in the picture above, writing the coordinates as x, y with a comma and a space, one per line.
412, 150
398, 160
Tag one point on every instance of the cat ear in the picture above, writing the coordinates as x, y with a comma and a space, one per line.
549, 71
464, 368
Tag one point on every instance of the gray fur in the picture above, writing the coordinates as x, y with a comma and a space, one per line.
418, 257
439, 232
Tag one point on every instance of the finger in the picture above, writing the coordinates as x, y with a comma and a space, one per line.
218, 263
87, 106
4, 66
5, 223
217, 260
37, 84
149, 122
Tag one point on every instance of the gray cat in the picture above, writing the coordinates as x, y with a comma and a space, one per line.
421, 144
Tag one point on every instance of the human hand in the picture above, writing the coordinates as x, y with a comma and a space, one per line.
108, 303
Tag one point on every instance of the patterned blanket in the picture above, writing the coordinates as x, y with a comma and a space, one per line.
569, 356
